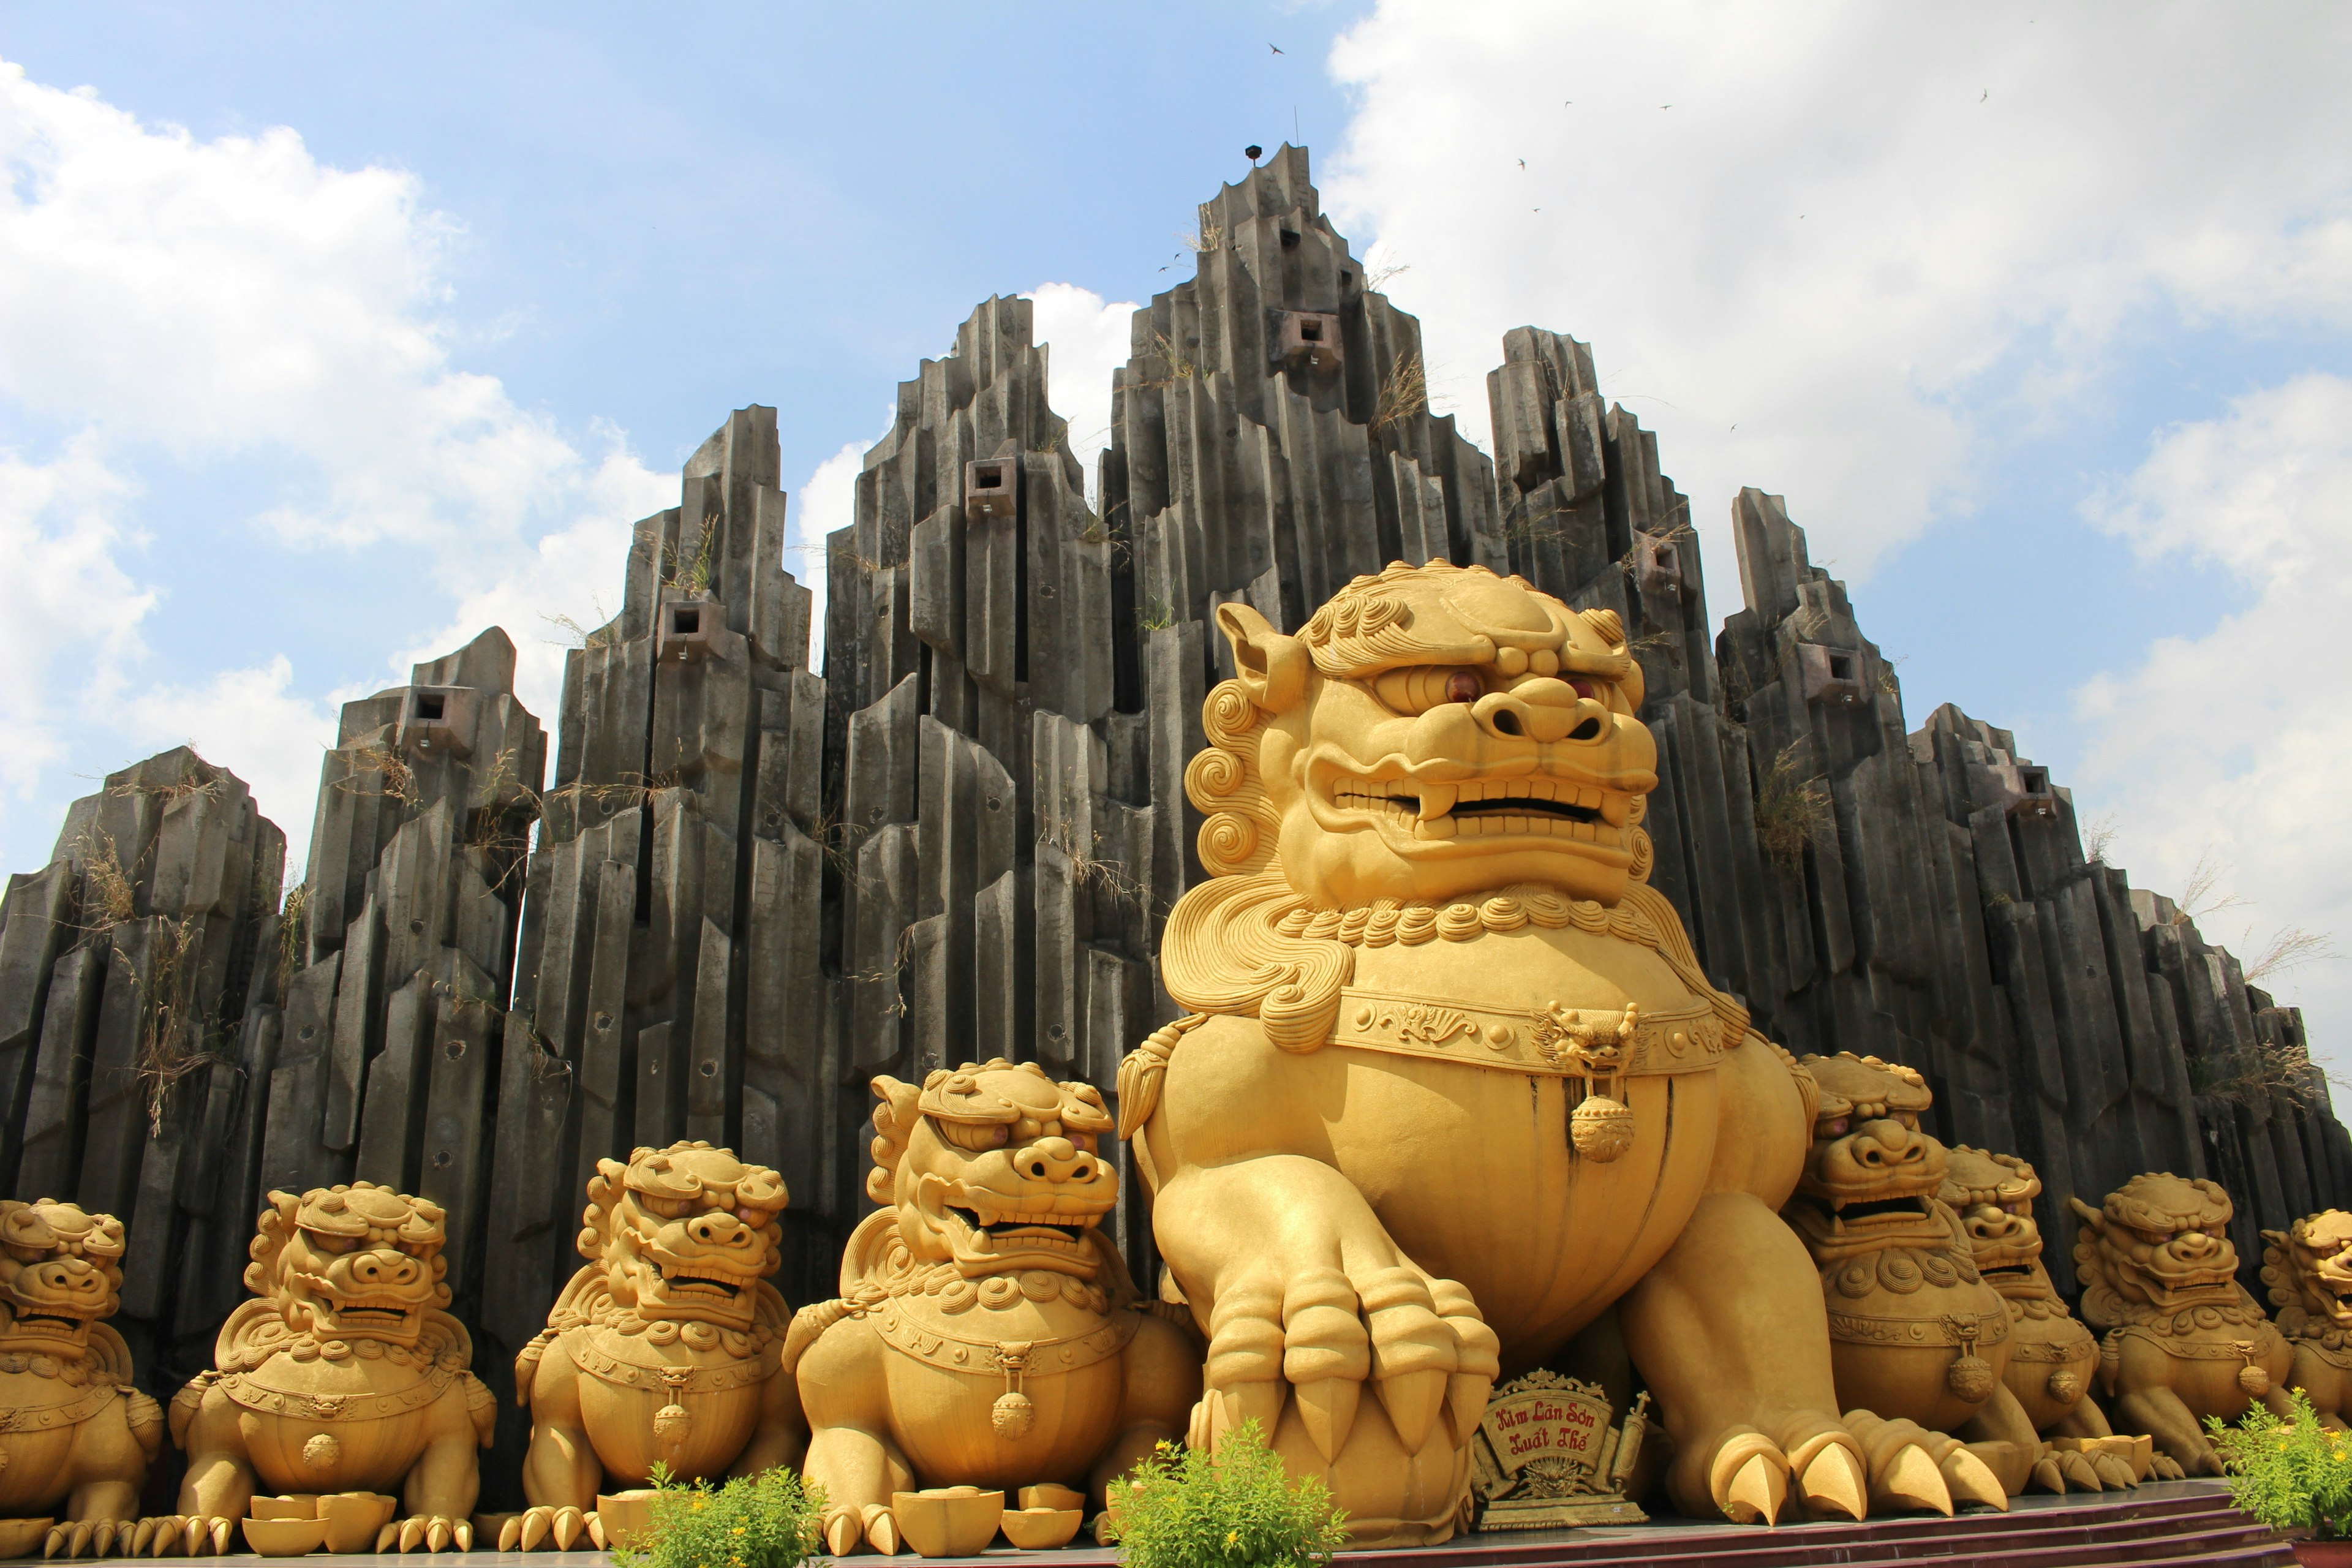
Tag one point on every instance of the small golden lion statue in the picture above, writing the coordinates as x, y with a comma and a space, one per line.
666, 1348
2052, 1357
2308, 1268
988, 1333
2184, 1341
75, 1436
1915, 1331
1453, 1086
342, 1375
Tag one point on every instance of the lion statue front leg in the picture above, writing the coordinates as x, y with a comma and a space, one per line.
1308, 1300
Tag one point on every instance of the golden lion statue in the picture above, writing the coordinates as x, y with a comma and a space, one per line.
2308, 1268
2052, 1357
342, 1375
74, 1434
666, 1348
987, 1333
1915, 1331
2184, 1341
1453, 1084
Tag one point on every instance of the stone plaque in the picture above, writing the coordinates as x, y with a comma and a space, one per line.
1548, 1456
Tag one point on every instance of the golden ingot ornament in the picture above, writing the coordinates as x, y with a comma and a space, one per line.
1425, 940
75, 1436
666, 1348
2183, 1340
344, 1374
987, 1336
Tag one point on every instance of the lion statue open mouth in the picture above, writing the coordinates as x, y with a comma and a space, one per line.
987, 1332
76, 1435
2308, 1268
2184, 1341
664, 1349
345, 1374
1453, 1086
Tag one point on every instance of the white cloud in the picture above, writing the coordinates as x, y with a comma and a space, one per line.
1088, 339
1875, 239
69, 615
2236, 744
163, 297
254, 724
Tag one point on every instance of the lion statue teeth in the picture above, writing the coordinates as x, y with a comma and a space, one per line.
75, 1436
2053, 1359
664, 1349
1454, 1088
987, 1333
2184, 1342
345, 1373
2308, 1268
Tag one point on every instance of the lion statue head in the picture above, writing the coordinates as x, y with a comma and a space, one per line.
685, 1234
2158, 1244
1993, 1195
1434, 732
356, 1262
2308, 1268
993, 1168
1872, 1175
60, 1272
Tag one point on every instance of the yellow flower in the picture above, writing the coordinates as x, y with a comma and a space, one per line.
1232, 1538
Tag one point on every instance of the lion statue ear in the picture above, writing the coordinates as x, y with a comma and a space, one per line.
1272, 668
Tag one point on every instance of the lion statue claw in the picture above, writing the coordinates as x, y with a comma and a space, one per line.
345, 1374
2308, 1268
987, 1333
664, 1349
76, 1436
1453, 1083
2184, 1342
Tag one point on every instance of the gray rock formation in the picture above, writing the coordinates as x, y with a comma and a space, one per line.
754, 887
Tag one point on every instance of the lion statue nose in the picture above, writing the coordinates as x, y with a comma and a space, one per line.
1542, 710
1989, 1223
1054, 1160
388, 1268
72, 1276
719, 1229
1888, 1146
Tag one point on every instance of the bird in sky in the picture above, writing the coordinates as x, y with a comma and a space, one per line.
1271, 46
1985, 94
1665, 106
1523, 162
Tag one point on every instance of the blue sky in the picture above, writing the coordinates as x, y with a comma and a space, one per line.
328, 334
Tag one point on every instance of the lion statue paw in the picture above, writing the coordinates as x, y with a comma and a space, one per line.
88, 1537
551, 1528
179, 1535
427, 1532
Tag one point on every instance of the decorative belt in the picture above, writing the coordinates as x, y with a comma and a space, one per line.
261, 1398
2238, 1350
1945, 1329
989, 1358
66, 1413
1594, 1043
2078, 1349
674, 1381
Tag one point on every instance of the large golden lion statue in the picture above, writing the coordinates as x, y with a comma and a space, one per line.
666, 1348
1453, 1083
2052, 1357
2184, 1341
343, 1373
75, 1436
987, 1332
2308, 1268
1915, 1331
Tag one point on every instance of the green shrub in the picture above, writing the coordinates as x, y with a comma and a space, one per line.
2292, 1475
1185, 1508
767, 1520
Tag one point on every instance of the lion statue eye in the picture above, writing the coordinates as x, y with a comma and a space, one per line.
323, 1241
1417, 689
976, 1136
667, 1208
